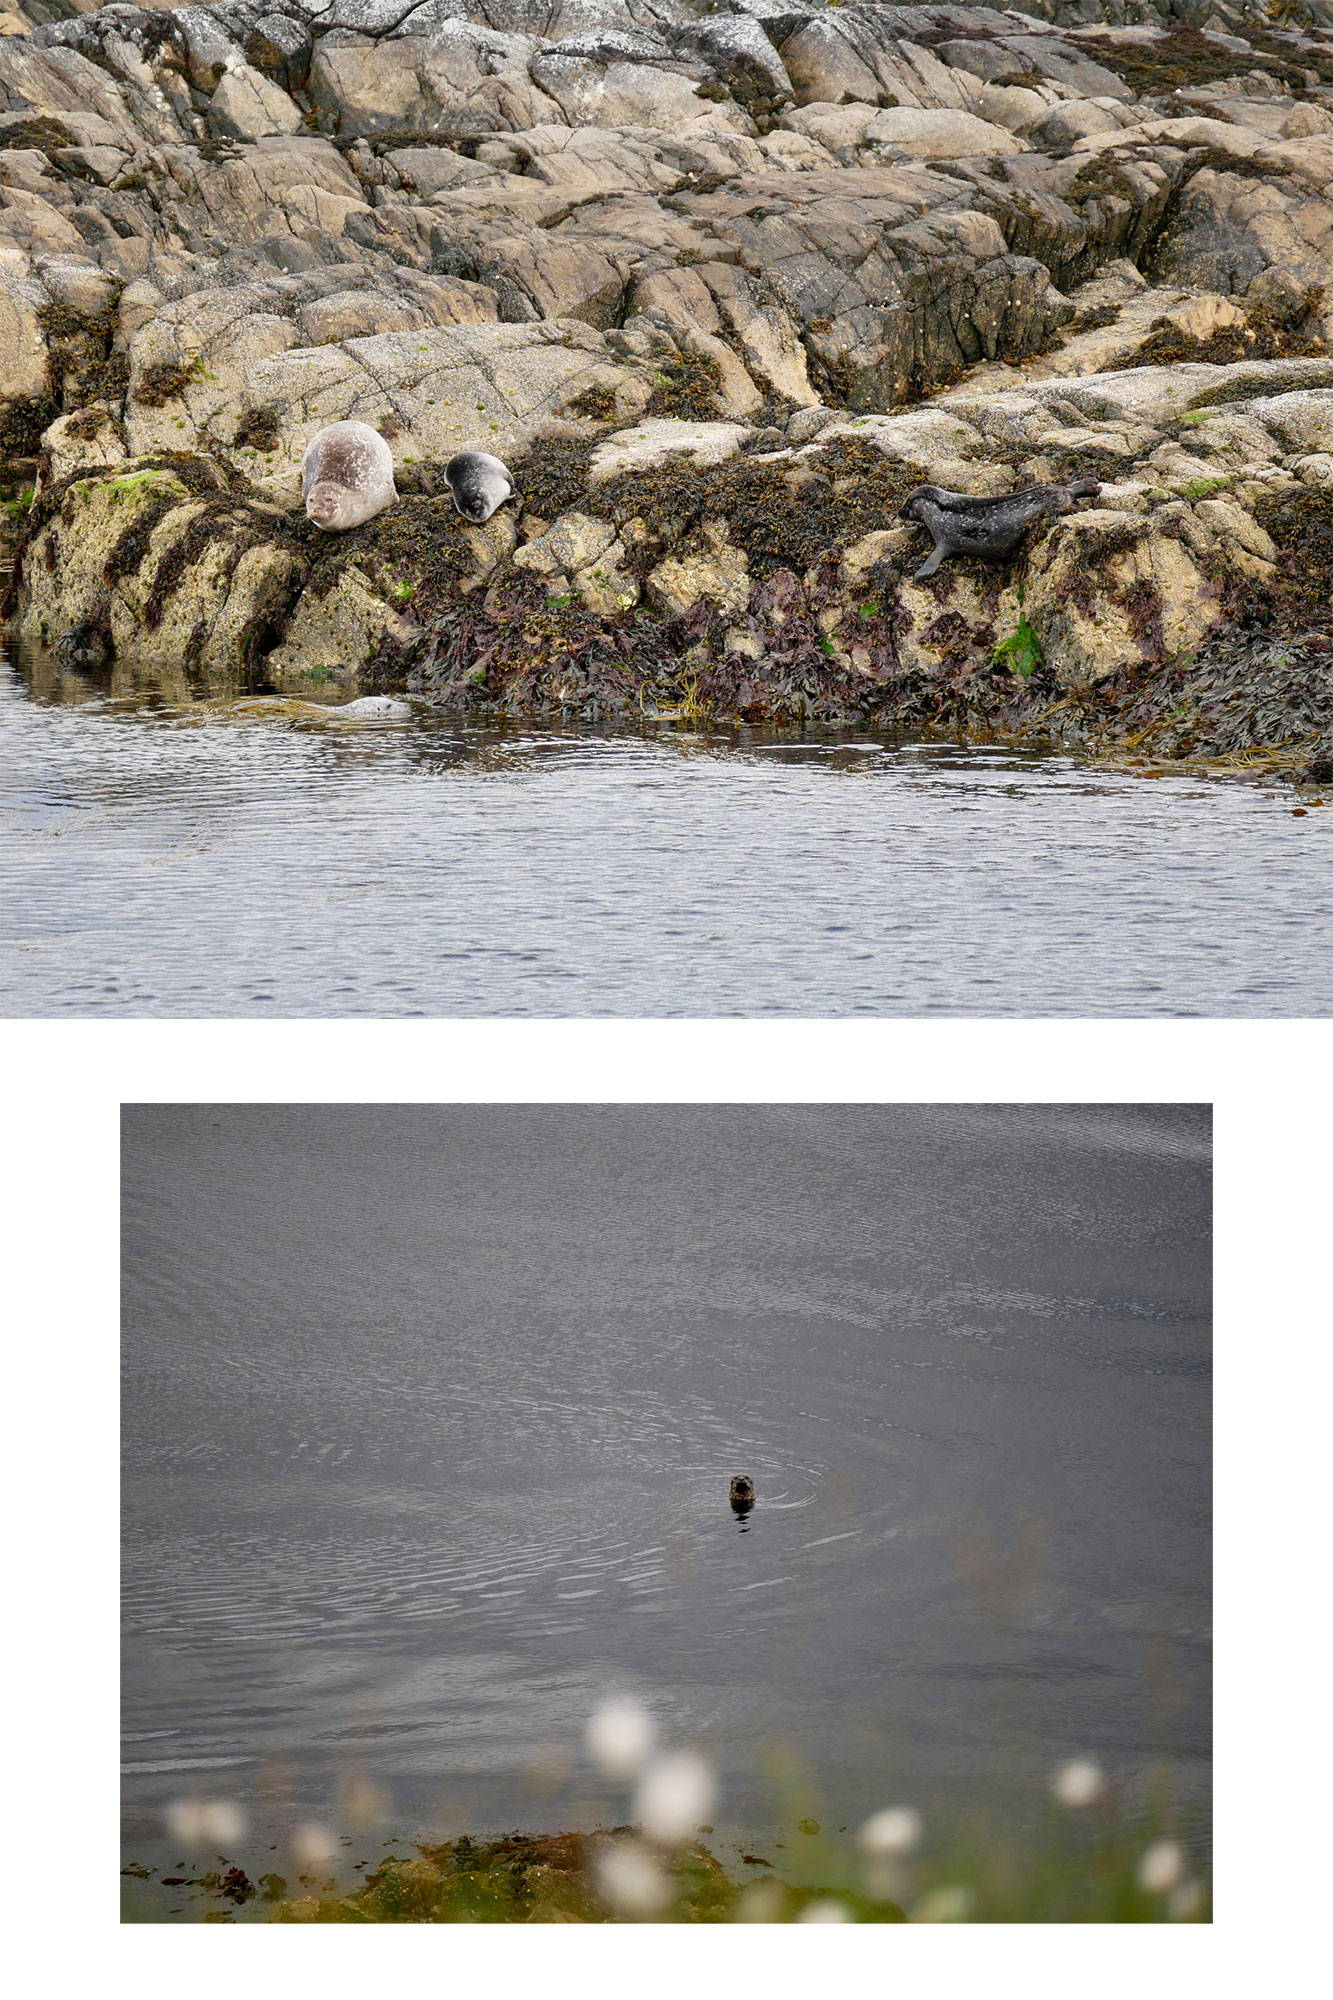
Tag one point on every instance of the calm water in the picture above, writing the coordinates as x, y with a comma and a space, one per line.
168, 866
429, 1415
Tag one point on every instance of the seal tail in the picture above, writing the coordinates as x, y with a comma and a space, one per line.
1085, 489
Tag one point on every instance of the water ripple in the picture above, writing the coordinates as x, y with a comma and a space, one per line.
172, 866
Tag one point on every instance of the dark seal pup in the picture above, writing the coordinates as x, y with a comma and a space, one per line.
346, 476
742, 1493
964, 525
479, 484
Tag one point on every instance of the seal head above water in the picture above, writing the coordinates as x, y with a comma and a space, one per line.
742, 1493
964, 524
479, 484
346, 476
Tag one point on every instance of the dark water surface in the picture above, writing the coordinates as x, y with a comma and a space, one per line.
429, 1416
162, 865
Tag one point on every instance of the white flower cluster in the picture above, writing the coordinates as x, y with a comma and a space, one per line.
674, 1789
673, 1792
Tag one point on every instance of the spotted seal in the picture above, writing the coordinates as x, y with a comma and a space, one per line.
479, 484
346, 476
965, 524
742, 1493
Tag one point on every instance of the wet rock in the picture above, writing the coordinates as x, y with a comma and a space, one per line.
717, 573
569, 544
1106, 590
169, 576
332, 637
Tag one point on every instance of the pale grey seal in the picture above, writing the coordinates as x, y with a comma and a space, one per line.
346, 476
965, 524
479, 484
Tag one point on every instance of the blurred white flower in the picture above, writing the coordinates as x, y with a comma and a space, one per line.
826, 1911
199, 1823
896, 1830
361, 1802
314, 1846
886, 1878
1185, 1902
1078, 1783
619, 1736
760, 1903
952, 1904
1162, 1867
630, 1881
674, 1794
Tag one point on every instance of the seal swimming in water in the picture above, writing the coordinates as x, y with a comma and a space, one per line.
742, 1493
479, 484
346, 476
965, 524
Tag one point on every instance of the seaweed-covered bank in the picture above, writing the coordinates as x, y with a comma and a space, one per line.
698, 568
613, 1875
721, 287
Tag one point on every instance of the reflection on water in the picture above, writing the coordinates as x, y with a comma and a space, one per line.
430, 1416
196, 861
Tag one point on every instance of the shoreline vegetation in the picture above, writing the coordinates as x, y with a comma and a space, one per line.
613, 1875
1096, 1850
722, 289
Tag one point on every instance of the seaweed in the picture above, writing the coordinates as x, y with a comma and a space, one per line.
1299, 598
38, 134
1021, 651
162, 380
21, 426
688, 387
131, 545
84, 363
179, 556
258, 430
1241, 390
1263, 339
597, 403
778, 521
553, 474
1181, 55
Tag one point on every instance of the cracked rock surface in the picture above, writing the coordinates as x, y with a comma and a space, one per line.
723, 280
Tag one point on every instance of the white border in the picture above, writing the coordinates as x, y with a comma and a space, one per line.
1270, 1085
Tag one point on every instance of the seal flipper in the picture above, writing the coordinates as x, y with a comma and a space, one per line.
932, 562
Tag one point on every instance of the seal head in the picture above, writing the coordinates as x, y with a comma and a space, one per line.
346, 476
479, 484
742, 1493
967, 524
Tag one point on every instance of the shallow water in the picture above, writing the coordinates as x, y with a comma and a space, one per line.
430, 1413
172, 866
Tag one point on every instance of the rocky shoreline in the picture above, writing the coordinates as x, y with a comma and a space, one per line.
722, 284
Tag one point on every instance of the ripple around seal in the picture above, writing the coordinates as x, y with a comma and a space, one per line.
171, 866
